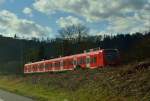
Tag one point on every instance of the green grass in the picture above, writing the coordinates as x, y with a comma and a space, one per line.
123, 83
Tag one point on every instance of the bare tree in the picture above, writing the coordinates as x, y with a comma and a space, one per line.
73, 34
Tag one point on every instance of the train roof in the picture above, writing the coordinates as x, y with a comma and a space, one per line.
67, 57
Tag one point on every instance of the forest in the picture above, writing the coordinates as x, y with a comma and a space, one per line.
15, 52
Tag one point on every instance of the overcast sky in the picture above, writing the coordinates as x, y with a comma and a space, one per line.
43, 18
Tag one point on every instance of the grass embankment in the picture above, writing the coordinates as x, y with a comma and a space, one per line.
124, 83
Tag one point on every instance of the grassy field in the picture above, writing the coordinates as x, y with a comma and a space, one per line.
123, 83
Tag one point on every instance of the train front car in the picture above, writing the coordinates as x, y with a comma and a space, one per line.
111, 57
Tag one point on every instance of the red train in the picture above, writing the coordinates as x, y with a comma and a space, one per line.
92, 59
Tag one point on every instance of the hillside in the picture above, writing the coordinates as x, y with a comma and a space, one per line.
15, 52
124, 83
128, 82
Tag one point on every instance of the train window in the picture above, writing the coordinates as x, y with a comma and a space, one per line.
78, 62
57, 64
41, 65
70, 62
61, 63
74, 62
93, 59
67, 62
48, 65
64, 63
34, 67
31, 66
52, 64
25, 69
111, 55
81, 61
87, 60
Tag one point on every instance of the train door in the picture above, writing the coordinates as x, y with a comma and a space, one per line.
100, 59
74, 62
94, 61
81, 61
61, 64
88, 61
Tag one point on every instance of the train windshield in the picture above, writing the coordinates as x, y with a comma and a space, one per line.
111, 55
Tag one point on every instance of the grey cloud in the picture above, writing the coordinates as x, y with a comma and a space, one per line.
10, 23
97, 10
2, 1
91, 8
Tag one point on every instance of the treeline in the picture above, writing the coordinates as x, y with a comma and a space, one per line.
15, 52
